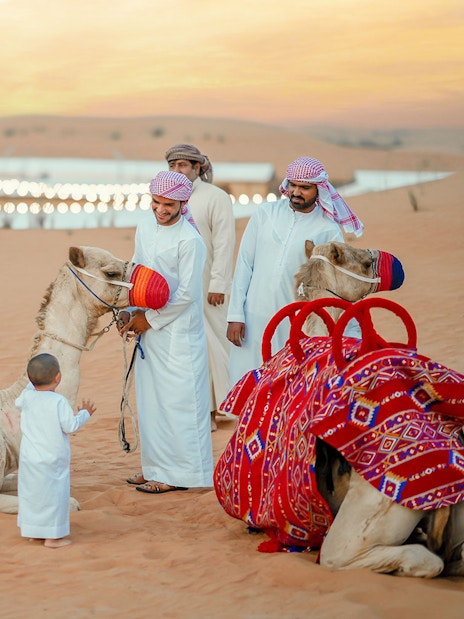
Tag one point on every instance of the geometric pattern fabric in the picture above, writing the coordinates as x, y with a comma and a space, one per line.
395, 415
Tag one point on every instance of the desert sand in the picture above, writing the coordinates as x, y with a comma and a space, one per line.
178, 555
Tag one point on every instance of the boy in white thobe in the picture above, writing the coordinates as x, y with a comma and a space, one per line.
44, 461
172, 389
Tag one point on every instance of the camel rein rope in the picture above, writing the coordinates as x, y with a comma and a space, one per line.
128, 377
128, 368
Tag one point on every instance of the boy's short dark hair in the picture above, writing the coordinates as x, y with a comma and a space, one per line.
42, 369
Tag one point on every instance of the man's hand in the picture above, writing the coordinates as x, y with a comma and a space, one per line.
138, 323
123, 319
236, 333
215, 298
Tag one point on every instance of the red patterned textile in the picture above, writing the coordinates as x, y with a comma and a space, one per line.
395, 415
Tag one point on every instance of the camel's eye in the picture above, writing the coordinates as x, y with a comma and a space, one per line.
368, 263
112, 274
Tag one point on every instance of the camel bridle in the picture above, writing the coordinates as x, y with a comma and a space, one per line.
370, 280
120, 284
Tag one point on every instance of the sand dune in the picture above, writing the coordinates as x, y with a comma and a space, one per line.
222, 139
179, 555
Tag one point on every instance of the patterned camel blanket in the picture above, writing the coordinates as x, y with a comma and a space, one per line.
395, 415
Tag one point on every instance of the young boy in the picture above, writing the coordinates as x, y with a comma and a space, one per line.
45, 455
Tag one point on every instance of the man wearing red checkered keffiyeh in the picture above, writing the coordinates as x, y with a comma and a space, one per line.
308, 171
171, 366
271, 252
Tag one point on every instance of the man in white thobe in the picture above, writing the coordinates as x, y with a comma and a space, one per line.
171, 377
271, 252
212, 211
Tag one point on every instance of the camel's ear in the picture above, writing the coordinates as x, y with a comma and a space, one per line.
309, 246
76, 255
336, 253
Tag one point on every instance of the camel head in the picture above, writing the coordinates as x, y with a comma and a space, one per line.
120, 283
339, 270
100, 277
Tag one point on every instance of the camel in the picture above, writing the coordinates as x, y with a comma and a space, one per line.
331, 428
92, 283
342, 271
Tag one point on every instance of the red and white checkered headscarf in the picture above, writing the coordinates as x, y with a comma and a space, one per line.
174, 186
308, 170
171, 185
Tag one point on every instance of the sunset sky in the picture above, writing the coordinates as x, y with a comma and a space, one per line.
371, 63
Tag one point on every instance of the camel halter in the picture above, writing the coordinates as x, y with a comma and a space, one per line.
369, 280
118, 283
113, 307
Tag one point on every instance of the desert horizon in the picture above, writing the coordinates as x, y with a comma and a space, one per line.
341, 150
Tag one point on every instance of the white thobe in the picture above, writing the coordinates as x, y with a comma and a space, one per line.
212, 211
171, 378
270, 254
44, 461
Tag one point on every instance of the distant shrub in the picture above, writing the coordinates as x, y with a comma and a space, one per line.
158, 132
413, 200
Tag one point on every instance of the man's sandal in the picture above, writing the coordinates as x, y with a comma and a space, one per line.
156, 487
136, 479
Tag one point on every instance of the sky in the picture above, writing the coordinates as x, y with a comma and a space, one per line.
363, 63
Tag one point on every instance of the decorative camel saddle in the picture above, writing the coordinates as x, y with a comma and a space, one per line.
395, 415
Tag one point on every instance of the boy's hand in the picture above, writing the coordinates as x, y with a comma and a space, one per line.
88, 405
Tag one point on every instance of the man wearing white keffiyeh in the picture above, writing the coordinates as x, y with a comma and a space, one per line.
271, 252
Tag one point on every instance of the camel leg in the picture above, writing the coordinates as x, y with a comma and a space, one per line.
74, 505
10, 483
8, 504
368, 532
456, 567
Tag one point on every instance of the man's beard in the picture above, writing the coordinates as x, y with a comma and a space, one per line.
302, 206
170, 219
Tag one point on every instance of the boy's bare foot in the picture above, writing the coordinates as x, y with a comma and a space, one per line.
57, 543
